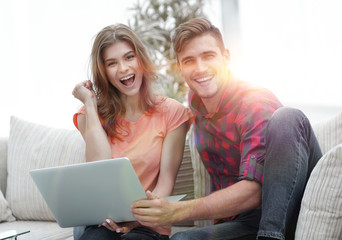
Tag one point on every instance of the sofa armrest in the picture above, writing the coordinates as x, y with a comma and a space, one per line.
3, 164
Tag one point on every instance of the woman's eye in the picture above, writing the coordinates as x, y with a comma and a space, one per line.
111, 64
129, 57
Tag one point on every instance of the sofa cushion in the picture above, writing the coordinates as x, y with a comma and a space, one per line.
39, 230
33, 146
320, 215
329, 132
3, 164
5, 212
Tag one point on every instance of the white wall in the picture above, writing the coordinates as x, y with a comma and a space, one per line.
45, 47
293, 47
44, 52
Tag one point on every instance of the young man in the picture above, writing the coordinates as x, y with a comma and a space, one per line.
257, 152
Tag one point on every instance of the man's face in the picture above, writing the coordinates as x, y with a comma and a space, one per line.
202, 64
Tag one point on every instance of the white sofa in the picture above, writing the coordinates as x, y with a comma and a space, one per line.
31, 145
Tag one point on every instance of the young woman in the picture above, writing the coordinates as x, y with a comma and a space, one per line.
122, 117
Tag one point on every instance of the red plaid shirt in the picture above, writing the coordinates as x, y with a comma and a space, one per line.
231, 141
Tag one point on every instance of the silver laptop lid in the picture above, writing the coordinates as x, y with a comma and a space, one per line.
88, 193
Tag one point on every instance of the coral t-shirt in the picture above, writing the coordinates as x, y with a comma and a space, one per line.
142, 140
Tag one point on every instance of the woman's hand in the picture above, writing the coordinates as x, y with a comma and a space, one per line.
120, 227
84, 92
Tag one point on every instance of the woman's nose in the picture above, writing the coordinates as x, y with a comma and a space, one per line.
122, 66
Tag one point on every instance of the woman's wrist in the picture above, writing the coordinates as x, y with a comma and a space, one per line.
90, 105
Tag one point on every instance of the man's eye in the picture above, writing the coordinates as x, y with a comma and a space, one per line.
209, 56
188, 62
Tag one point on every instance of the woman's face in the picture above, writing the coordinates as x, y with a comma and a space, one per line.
122, 68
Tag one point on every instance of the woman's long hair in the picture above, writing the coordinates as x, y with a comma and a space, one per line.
109, 104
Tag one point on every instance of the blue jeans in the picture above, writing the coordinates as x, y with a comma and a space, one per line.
78, 231
292, 151
244, 227
96, 233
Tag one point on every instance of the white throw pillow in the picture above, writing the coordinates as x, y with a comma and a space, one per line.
329, 133
3, 164
33, 146
320, 215
5, 212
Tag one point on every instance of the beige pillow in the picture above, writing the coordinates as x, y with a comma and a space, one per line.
320, 215
32, 146
5, 212
329, 133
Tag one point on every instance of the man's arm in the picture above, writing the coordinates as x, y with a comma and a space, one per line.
240, 197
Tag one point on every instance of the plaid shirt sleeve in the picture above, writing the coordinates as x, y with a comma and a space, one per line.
253, 119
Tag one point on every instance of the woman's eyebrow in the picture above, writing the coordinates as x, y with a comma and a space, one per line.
127, 53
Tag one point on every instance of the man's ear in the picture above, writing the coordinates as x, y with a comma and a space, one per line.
226, 56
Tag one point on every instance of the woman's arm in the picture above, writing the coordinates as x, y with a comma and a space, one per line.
97, 145
171, 158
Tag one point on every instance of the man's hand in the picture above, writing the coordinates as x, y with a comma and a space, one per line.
119, 227
153, 212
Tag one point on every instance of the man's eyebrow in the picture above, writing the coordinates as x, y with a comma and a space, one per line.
208, 52
203, 53
127, 53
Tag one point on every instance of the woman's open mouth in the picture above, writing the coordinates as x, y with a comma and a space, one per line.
128, 80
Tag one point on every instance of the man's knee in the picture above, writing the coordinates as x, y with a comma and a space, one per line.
286, 119
285, 115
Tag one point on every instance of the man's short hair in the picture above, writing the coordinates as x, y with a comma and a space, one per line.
193, 28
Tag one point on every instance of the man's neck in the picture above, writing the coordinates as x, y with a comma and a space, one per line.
212, 103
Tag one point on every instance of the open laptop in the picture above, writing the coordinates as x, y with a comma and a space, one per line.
88, 193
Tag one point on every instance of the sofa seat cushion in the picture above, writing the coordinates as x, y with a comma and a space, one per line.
38, 230
33, 146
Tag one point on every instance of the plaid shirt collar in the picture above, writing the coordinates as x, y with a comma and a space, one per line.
197, 105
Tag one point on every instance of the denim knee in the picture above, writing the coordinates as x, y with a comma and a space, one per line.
78, 231
287, 115
181, 236
287, 122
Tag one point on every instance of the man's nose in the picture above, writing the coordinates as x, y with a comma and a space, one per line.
201, 66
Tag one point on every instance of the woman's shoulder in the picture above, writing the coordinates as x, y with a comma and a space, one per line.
162, 101
169, 107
